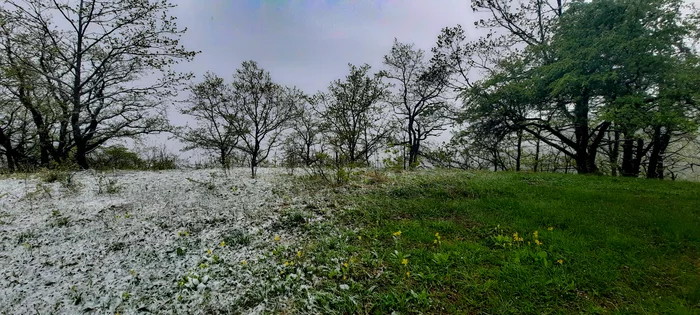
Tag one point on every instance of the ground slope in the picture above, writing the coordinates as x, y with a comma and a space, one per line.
128, 242
510, 243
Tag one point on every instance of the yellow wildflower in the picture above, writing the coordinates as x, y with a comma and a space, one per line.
538, 242
345, 265
359, 237
434, 241
345, 277
209, 251
561, 262
550, 228
222, 244
244, 262
277, 238
404, 261
397, 233
517, 237
286, 263
408, 273
535, 234
299, 254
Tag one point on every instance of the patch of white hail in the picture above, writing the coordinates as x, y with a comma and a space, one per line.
71, 251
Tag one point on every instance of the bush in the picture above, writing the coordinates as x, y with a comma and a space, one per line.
158, 158
116, 157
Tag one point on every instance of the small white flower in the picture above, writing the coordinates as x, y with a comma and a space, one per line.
344, 287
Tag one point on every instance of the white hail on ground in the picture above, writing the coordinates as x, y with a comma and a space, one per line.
70, 251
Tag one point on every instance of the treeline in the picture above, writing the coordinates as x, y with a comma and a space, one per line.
348, 124
607, 86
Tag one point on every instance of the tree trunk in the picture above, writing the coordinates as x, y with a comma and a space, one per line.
222, 158
628, 158
9, 152
413, 153
10, 161
537, 153
81, 156
615, 153
656, 164
632, 154
253, 163
520, 151
665, 140
581, 131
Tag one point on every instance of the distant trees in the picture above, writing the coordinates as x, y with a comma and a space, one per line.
264, 110
352, 116
211, 105
419, 101
249, 115
304, 141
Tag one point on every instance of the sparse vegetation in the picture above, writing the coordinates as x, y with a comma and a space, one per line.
107, 185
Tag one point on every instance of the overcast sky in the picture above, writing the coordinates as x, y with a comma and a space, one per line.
308, 43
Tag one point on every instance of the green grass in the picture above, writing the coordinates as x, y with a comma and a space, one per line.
609, 245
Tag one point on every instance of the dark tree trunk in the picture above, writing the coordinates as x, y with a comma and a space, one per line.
656, 164
223, 158
413, 153
10, 161
81, 156
615, 152
628, 158
535, 167
9, 152
307, 154
520, 151
632, 153
585, 151
254, 161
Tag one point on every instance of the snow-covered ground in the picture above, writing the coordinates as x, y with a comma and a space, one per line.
126, 242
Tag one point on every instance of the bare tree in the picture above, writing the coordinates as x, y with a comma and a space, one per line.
210, 104
419, 101
304, 139
352, 115
265, 109
109, 61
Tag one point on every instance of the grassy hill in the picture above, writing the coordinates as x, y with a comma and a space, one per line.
512, 243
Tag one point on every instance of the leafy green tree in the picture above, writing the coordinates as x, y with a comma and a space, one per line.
606, 63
